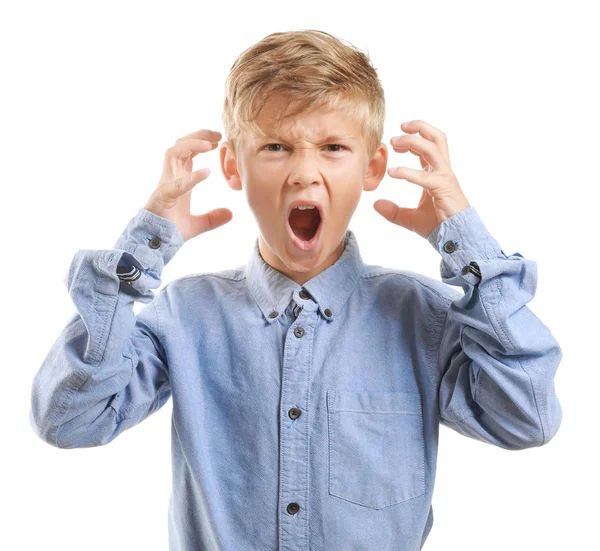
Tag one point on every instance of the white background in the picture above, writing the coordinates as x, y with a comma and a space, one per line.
94, 93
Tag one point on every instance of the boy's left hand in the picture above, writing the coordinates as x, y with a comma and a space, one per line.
442, 196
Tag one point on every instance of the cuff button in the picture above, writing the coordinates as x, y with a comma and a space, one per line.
473, 268
154, 242
450, 246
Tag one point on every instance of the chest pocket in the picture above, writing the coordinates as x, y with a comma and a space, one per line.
376, 447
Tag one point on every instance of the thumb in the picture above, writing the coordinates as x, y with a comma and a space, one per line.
393, 213
211, 220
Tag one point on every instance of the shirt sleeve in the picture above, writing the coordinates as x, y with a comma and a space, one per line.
496, 359
107, 370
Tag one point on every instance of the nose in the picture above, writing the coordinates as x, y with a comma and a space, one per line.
305, 169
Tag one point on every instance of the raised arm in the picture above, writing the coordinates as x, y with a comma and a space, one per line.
497, 360
107, 370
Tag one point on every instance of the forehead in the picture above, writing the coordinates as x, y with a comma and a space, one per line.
318, 124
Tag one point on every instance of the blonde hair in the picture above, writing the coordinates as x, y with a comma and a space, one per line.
310, 68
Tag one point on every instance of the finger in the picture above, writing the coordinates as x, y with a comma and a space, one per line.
425, 179
174, 189
393, 213
204, 134
420, 146
210, 220
429, 132
424, 164
189, 148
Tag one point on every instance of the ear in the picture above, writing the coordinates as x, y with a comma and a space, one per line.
229, 166
376, 169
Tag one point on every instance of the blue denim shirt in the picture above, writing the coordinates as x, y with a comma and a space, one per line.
304, 417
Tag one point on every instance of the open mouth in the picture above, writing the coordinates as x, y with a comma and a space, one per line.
305, 222
304, 227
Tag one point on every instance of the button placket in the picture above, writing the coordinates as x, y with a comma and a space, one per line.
293, 494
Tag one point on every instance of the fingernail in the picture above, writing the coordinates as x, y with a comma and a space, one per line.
405, 123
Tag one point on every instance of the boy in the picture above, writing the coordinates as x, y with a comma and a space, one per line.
308, 387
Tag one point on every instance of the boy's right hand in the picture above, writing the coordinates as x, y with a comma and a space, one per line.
171, 198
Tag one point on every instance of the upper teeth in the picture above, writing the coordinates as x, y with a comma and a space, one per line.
305, 207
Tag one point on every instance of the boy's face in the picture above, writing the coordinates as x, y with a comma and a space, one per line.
305, 165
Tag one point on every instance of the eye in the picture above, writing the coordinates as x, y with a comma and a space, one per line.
328, 145
269, 144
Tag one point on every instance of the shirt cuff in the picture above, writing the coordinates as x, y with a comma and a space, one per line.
462, 240
148, 243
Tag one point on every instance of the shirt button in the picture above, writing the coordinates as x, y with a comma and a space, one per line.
273, 314
299, 332
328, 312
154, 242
304, 294
449, 246
294, 413
293, 508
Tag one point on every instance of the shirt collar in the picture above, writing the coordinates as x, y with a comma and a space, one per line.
273, 290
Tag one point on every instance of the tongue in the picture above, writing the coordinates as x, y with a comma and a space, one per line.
305, 223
